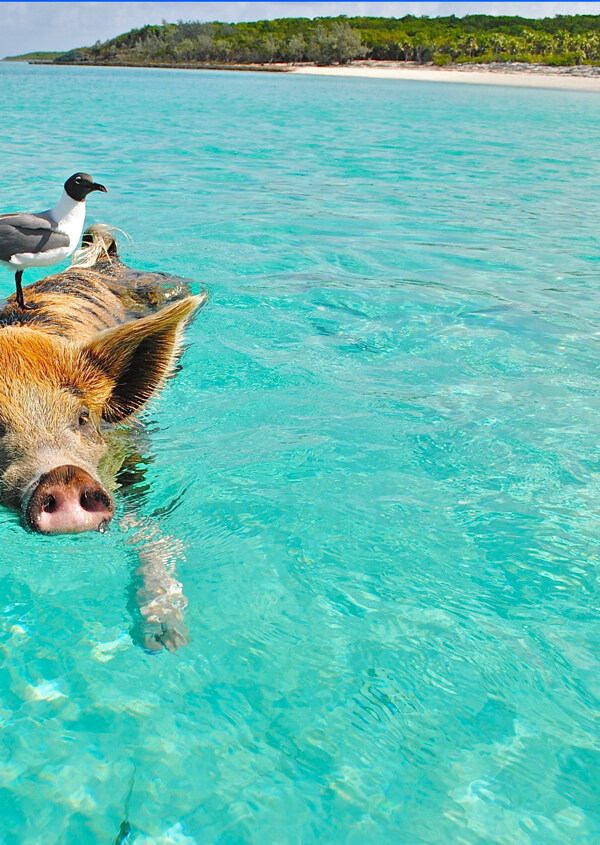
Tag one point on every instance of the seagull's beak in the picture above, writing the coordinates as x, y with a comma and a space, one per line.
98, 187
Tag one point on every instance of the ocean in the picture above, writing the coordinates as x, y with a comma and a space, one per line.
377, 470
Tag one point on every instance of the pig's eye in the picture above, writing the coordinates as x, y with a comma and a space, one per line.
84, 417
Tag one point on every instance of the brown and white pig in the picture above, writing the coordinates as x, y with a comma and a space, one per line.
95, 344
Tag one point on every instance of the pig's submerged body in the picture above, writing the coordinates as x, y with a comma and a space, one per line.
97, 342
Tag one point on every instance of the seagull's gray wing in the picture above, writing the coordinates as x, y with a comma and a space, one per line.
28, 233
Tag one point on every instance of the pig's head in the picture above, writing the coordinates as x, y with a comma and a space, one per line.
54, 397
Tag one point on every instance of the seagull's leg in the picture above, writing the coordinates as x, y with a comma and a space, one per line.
20, 300
18, 277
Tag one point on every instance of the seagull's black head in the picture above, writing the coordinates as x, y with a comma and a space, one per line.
80, 185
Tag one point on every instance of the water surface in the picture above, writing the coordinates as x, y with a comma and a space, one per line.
380, 458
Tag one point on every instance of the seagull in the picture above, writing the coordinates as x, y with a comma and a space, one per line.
38, 240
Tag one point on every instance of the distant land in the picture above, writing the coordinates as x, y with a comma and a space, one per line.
32, 57
561, 41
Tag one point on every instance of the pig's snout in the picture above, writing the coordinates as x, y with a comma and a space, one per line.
67, 500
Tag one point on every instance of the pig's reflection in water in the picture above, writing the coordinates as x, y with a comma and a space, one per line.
98, 341
156, 599
155, 596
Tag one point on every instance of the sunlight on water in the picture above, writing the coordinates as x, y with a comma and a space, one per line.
376, 469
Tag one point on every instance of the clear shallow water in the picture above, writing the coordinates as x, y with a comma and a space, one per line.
380, 456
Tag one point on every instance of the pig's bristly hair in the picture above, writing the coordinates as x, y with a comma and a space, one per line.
98, 244
35, 364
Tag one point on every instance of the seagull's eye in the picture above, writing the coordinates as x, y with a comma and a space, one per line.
78, 179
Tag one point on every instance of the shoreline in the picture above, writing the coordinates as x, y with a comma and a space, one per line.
577, 78
580, 78
270, 68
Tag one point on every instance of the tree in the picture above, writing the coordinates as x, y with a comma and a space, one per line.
296, 48
347, 43
338, 43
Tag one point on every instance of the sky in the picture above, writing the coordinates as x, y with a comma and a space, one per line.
25, 27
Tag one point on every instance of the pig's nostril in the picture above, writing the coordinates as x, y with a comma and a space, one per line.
49, 505
94, 500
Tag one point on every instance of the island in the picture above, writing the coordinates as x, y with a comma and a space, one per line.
281, 44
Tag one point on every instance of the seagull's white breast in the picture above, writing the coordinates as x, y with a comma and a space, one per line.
69, 217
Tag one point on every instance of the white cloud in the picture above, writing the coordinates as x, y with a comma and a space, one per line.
60, 26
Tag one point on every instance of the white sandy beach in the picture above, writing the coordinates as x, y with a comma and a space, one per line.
535, 76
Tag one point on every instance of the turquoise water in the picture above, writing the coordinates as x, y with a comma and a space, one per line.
378, 468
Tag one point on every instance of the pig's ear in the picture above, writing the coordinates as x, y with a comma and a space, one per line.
138, 355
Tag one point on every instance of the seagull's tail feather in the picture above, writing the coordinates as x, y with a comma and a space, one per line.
98, 244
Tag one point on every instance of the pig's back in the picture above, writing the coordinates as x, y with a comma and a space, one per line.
74, 305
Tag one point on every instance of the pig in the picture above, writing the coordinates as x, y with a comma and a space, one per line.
98, 340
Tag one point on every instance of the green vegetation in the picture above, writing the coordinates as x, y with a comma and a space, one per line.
33, 57
562, 40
